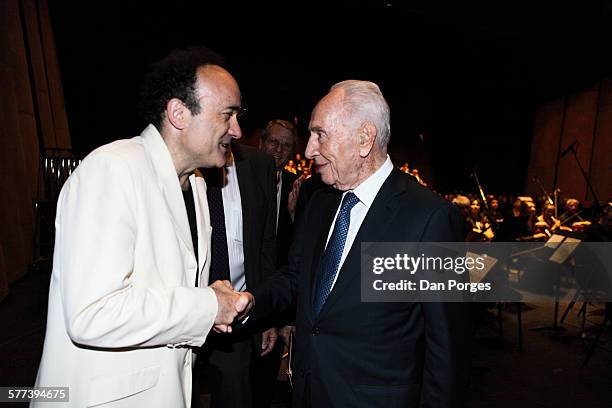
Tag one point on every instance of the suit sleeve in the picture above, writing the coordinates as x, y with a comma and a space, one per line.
447, 327
100, 234
279, 293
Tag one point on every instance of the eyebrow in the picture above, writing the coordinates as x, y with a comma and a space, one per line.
234, 108
316, 129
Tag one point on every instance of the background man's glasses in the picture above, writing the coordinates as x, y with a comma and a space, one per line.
273, 143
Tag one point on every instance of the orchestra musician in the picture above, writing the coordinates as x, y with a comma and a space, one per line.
572, 218
478, 226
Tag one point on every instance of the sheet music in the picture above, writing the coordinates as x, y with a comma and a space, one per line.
477, 275
554, 241
564, 250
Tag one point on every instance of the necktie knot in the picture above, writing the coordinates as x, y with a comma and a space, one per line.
348, 202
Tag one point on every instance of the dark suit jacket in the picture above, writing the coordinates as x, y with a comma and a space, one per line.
257, 183
358, 354
284, 233
307, 189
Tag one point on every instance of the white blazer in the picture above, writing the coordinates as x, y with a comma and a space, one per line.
122, 303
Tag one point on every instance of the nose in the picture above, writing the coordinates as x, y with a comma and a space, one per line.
312, 148
234, 130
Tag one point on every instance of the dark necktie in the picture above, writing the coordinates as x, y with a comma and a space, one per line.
219, 262
333, 253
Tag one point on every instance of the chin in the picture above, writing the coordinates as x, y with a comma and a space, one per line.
218, 161
327, 179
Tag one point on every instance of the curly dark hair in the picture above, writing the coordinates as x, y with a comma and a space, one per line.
174, 76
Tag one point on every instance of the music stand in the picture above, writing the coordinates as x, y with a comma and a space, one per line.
582, 291
564, 247
477, 276
604, 324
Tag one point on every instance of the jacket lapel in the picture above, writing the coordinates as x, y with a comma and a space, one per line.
204, 230
246, 185
329, 205
162, 165
377, 222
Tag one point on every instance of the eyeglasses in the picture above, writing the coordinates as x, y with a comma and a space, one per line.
241, 112
237, 112
274, 144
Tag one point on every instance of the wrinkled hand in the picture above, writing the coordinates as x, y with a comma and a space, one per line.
232, 305
286, 332
268, 341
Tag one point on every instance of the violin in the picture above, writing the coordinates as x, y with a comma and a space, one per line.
580, 226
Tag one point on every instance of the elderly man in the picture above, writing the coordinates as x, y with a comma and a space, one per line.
128, 292
351, 353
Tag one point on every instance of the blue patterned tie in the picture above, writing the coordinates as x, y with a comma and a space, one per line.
333, 253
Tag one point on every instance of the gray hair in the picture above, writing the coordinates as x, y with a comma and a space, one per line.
282, 123
365, 98
461, 201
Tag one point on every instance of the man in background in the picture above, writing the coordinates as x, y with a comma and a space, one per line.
242, 201
278, 140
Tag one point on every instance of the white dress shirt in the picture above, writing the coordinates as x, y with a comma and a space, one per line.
279, 187
232, 207
366, 193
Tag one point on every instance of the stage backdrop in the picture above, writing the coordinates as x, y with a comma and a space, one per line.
584, 117
32, 116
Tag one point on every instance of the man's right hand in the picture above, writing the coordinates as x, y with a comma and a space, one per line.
231, 304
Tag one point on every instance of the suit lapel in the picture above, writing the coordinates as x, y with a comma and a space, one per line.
167, 179
246, 185
286, 187
329, 205
203, 221
377, 222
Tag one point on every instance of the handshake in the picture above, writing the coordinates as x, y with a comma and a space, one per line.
233, 306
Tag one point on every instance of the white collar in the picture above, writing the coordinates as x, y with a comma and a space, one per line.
367, 190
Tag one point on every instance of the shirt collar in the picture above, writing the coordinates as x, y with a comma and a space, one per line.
366, 191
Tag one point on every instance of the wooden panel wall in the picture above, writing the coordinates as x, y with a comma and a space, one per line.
580, 114
32, 109
584, 116
545, 145
601, 159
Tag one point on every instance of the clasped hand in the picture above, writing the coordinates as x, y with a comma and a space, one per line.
233, 306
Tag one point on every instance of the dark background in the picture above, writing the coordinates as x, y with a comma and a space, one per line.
462, 79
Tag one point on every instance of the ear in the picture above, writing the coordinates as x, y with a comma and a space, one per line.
177, 113
367, 138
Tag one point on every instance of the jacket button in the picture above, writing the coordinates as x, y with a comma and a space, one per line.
302, 373
315, 331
